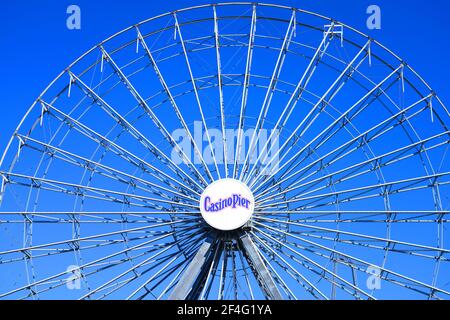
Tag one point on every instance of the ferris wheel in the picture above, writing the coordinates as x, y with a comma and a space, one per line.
229, 151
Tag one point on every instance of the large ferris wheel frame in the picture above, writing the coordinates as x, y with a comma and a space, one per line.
268, 245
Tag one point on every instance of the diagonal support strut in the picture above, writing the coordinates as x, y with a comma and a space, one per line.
261, 272
187, 287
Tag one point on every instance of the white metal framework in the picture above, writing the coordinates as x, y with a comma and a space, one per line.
101, 201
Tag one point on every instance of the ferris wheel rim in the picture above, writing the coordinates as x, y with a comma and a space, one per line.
67, 70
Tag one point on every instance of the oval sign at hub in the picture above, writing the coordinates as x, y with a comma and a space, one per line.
227, 204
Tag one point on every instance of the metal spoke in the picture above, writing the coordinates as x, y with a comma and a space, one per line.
403, 243
87, 238
245, 86
341, 151
340, 118
376, 162
92, 166
314, 263
364, 262
388, 188
123, 153
136, 133
259, 267
297, 93
98, 193
269, 94
221, 102
197, 97
285, 264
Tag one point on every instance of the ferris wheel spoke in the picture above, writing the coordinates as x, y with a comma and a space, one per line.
159, 124
332, 91
364, 138
354, 268
245, 87
246, 274
182, 267
49, 251
93, 166
197, 97
81, 239
166, 274
86, 265
323, 102
366, 244
136, 133
387, 189
127, 155
286, 266
223, 273
94, 218
341, 151
331, 134
116, 287
364, 218
152, 261
217, 250
301, 86
100, 215
359, 235
214, 269
183, 234
161, 276
352, 258
342, 118
91, 293
186, 250
92, 270
353, 212
356, 170
221, 95
321, 271
96, 193
314, 263
233, 268
108, 265
385, 277
189, 253
269, 93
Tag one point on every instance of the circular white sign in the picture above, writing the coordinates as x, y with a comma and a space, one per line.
227, 204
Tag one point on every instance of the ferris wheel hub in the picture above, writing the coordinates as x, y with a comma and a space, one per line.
227, 204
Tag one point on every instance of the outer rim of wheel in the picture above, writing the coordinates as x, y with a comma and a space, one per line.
182, 10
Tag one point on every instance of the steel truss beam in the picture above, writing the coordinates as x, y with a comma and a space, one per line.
259, 268
190, 283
